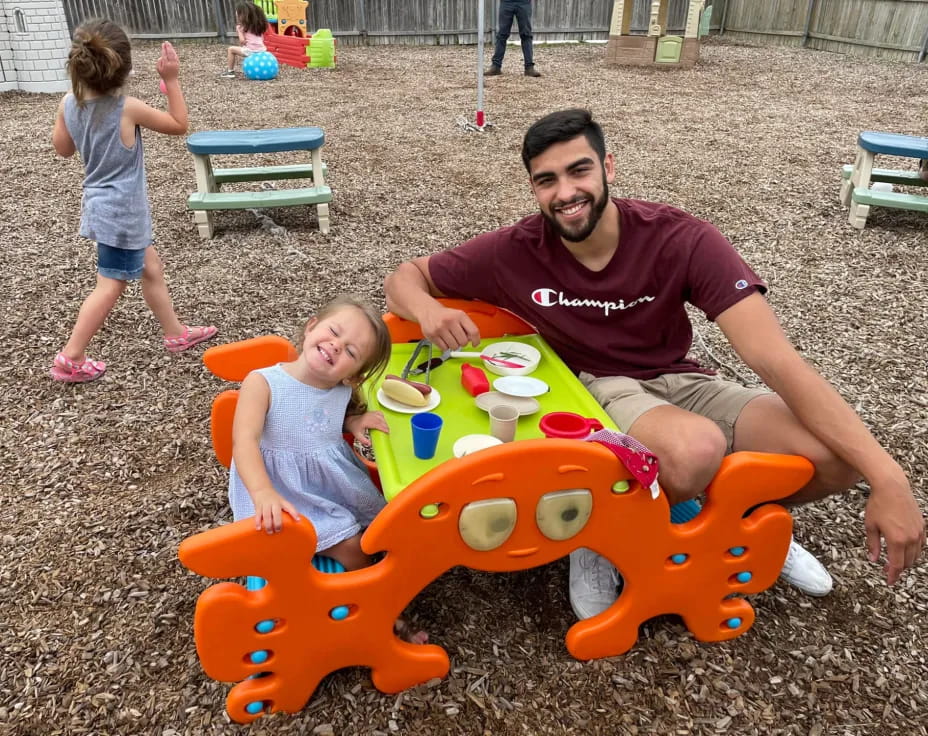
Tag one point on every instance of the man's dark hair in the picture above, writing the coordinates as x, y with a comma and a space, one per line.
560, 126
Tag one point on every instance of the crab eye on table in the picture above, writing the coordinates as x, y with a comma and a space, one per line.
562, 514
486, 524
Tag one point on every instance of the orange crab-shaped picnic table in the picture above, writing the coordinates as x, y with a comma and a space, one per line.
505, 508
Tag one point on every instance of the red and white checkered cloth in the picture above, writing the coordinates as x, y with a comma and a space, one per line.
638, 459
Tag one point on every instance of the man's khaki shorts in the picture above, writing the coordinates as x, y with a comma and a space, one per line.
626, 399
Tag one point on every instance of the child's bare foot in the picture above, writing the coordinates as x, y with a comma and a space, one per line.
923, 169
404, 632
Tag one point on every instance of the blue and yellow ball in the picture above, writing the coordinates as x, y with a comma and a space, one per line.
262, 65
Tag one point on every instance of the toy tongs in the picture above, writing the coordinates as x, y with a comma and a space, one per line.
415, 369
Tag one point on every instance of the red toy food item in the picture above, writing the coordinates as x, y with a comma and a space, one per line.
474, 380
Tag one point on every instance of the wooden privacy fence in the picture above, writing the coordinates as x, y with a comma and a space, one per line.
894, 29
373, 21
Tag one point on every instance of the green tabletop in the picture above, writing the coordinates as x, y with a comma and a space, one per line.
396, 463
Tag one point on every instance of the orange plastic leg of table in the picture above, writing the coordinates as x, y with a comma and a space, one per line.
510, 507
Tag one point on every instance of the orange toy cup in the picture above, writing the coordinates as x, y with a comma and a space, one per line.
567, 425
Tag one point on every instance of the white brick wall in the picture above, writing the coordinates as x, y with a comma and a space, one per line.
8, 72
34, 61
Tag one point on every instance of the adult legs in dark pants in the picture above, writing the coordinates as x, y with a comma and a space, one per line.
521, 10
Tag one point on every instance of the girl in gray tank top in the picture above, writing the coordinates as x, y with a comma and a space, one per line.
103, 125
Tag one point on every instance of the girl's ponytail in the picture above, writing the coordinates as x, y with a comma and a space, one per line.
100, 59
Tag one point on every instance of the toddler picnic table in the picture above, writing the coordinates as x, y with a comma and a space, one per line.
208, 197
510, 507
856, 190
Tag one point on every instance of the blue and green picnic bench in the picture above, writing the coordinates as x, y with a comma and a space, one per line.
856, 190
208, 196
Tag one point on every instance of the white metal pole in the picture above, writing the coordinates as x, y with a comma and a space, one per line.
480, 118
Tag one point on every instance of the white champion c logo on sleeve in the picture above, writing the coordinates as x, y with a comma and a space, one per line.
741, 284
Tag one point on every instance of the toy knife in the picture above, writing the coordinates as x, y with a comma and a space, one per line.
448, 354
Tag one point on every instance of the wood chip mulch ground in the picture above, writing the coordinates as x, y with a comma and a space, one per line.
101, 482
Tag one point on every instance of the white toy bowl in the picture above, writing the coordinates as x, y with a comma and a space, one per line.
471, 443
517, 352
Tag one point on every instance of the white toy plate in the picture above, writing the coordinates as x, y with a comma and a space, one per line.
524, 404
517, 352
471, 443
521, 386
393, 405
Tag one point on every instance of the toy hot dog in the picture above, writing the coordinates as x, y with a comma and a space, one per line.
406, 392
422, 388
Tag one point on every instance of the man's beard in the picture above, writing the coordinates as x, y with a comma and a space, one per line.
597, 207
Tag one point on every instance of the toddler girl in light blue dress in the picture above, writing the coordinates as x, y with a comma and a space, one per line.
288, 452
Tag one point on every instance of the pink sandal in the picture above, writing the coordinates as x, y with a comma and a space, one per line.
189, 337
69, 371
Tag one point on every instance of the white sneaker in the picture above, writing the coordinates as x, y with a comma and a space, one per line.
594, 583
805, 572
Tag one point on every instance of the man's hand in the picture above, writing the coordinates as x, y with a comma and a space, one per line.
449, 329
168, 65
893, 515
359, 424
269, 508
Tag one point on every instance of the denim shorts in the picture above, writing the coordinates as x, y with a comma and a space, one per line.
119, 263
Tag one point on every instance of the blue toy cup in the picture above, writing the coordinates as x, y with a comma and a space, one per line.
425, 430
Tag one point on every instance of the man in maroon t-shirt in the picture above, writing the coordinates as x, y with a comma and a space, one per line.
605, 282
